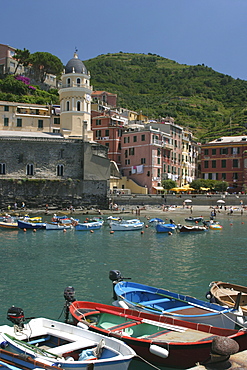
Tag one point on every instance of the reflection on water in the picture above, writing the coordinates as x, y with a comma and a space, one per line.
37, 267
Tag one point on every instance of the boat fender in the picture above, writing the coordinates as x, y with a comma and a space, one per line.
83, 325
208, 295
240, 320
158, 351
123, 304
4, 344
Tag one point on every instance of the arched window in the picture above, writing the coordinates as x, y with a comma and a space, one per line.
68, 82
60, 168
78, 105
78, 81
30, 169
67, 106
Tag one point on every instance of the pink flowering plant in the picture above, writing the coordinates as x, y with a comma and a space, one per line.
26, 81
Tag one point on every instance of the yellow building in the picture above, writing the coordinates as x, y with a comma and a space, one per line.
75, 101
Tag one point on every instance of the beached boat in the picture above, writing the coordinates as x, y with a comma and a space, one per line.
22, 224
94, 225
160, 301
66, 346
187, 228
231, 295
127, 225
162, 227
194, 219
160, 340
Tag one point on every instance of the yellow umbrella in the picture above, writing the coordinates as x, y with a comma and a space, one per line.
205, 189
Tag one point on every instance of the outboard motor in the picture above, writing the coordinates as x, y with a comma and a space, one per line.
16, 316
115, 276
69, 296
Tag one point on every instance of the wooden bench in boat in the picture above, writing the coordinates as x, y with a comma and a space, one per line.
154, 301
80, 344
189, 335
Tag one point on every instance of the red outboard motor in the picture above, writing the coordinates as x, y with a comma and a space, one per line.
16, 316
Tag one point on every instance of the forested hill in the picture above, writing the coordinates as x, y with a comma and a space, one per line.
209, 103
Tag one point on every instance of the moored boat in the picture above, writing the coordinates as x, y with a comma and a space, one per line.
164, 302
127, 225
215, 226
160, 340
187, 228
230, 295
30, 225
94, 225
66, 346
162, 227
57, 226
8, 222
194, 219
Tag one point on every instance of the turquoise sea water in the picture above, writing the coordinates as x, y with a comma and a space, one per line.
36, 267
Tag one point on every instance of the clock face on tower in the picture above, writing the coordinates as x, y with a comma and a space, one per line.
88, 98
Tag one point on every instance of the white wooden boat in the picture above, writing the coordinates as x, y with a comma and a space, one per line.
127, 225
57, 226
94, 225
66, 346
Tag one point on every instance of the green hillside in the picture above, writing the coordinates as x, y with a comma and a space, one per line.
209, 103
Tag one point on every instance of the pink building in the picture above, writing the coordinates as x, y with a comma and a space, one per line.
145, 154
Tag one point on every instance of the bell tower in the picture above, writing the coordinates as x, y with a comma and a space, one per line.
75, 101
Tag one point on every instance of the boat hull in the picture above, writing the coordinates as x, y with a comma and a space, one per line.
160, 301
128, 225
62, 341
165, 228
227, 294
88, 226
158, 339
55, 226
188, 229
31, 225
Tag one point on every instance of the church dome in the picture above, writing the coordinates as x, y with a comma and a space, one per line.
75, 65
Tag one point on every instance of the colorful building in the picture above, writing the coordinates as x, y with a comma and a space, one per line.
225, 159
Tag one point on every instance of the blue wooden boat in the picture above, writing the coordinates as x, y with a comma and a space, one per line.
179, 306
162, 227
22, 224
94, 225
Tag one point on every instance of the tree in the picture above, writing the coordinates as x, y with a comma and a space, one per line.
22, 57
169, 184
44, 63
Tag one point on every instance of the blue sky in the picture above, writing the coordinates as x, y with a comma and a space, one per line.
210, 32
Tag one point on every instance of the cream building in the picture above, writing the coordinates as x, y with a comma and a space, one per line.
75, 101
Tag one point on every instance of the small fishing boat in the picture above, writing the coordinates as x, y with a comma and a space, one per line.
187, 228
155, 221
111, 219
8, 222
127, 225
22, 224
94, 225
162, 227
163, 302
57, 226
194, 219
158, 339
228, 294
66, 346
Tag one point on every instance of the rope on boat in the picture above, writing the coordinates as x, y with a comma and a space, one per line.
223, 292
148, 363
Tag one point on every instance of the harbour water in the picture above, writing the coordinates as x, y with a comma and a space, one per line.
36, 267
